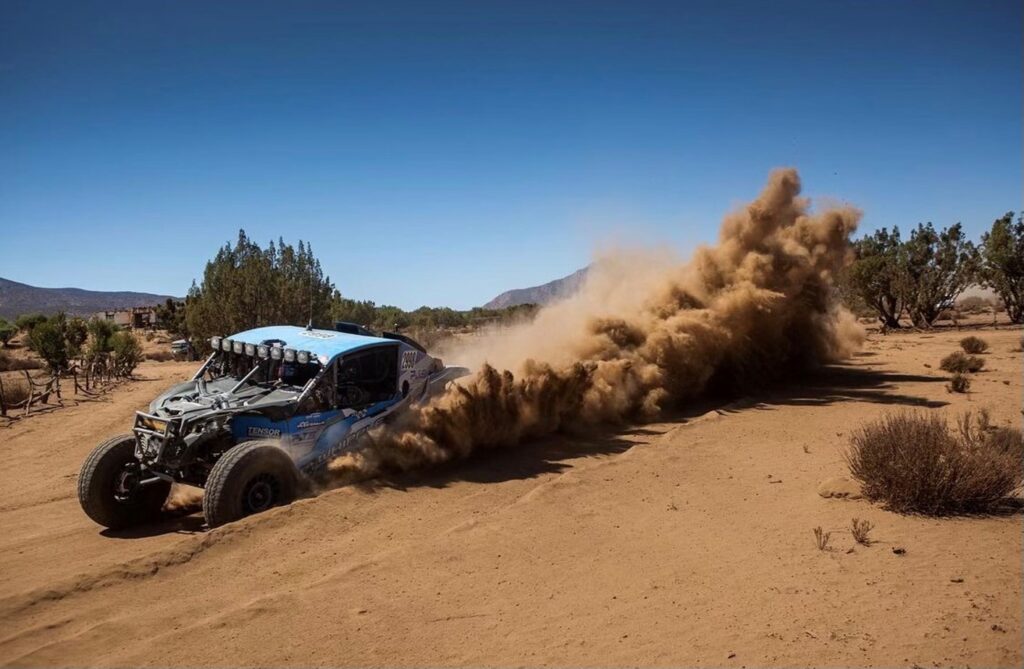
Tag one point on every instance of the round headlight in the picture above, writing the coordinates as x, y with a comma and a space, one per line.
303, 357
289, 355
263, 351
275, 352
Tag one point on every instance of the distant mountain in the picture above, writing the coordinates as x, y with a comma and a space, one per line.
19, 298
551, 291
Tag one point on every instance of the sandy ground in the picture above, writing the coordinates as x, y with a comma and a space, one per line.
682, 543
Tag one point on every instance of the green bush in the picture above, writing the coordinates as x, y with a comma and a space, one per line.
974, 344
26, 322
960, 362
7, 331
915, 463
126, 353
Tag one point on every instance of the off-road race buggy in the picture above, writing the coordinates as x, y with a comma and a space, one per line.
261, 419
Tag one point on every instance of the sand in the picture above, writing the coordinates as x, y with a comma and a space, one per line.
686, 542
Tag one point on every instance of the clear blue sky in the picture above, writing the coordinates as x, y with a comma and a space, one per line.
440, 153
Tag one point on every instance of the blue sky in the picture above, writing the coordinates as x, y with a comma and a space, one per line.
442, 152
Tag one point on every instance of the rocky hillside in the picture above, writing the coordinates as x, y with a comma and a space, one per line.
19, 298
544, 294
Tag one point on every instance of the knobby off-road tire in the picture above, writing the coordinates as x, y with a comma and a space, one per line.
249, 478
106, 474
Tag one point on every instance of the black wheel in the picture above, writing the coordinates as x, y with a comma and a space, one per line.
109, 490
249, 478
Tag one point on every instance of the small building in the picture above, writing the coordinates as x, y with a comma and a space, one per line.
136, 318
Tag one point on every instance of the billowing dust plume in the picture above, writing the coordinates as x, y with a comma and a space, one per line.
645, 334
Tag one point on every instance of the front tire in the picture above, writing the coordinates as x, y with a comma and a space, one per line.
109, 490
249, 478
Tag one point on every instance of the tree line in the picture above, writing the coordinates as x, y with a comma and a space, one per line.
246, 286
923, 275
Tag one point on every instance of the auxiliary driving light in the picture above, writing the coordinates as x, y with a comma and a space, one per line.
238, 346
263, 351
225, 345
250, 349
289, 355
215, 343
303, 357
275, 352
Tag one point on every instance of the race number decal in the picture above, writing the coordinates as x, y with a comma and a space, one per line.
409, 359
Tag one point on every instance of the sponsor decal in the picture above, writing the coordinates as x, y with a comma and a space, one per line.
317, 335
409, 359
263, 432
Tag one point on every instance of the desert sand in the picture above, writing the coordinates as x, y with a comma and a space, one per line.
685, 542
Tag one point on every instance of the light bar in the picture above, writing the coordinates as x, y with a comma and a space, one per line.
237, 346
215, 343
289, 355
303, 357
225, 345
275, 352
250, 349
263, 351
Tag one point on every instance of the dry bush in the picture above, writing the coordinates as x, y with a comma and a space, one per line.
15, 390
160, 356
915, 463
974, 344
958, 383
860, 530
821, 538
961, 362
9, 364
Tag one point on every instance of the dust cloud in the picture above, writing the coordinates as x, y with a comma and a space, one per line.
644, 334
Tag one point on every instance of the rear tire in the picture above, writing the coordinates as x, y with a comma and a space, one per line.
249, 478
108, 487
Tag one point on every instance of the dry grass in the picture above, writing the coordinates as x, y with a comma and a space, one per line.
961, 362
916, 463
821, 538
160, 356
860, 530
973, 344
959, 383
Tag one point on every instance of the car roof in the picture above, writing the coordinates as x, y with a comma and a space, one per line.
327, 343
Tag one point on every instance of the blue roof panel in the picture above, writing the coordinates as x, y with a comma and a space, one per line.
327, 343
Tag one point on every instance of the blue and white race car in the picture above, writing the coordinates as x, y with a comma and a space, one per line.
267, 411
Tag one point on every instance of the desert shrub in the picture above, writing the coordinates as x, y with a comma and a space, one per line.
9, 364
15, 391
821, 538
915, 463
160, 356
26, 322
960, 362
860, 530
7, 331
959, 383
126, 352
974, 344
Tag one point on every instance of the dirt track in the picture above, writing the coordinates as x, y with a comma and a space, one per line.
678, 543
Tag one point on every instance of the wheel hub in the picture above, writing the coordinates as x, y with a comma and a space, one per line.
260, 494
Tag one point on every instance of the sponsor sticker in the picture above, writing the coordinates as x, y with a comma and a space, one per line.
263, 432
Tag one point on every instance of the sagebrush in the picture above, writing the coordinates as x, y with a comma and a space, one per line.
916, 462
974, 344
959, 383
961, 362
